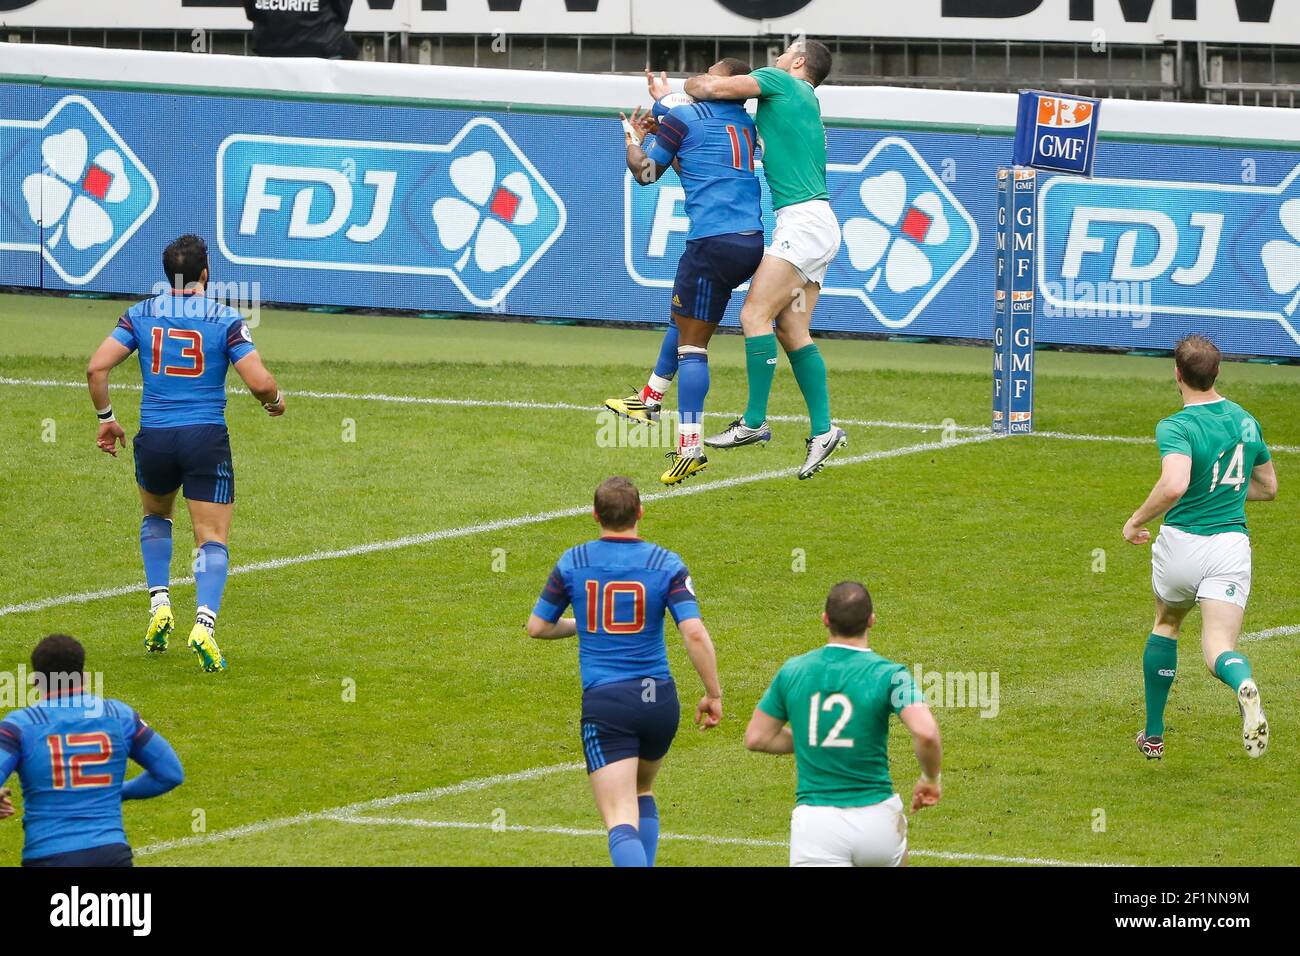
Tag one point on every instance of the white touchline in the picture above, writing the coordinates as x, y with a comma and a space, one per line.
340, 817
1285, 631
381, 803
351, 813
429, 537
573, 407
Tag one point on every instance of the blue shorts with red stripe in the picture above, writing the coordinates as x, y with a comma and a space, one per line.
630, 718
193, 457
711, 269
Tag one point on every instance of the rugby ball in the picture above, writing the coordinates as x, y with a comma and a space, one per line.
670, 100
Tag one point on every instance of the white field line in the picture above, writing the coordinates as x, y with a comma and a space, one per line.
679, 837
382, 803
572, 407
508, 405
1285, 631
444, 534
352, 814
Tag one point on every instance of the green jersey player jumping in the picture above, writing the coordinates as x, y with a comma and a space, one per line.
831, 709
1212, 461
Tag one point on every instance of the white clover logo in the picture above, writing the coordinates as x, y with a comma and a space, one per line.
1282, 257
478, 222
895, 233
70, 194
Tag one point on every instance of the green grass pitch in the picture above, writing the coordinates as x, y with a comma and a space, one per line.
386, 707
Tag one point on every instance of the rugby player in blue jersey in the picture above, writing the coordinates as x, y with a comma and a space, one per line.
70, 749
712, 146
186, 342
620, 587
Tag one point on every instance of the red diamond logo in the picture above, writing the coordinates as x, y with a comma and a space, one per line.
97, 181
916, 224
505, 204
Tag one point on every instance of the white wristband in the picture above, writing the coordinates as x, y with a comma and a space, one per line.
933, 781
279, 397
105, 414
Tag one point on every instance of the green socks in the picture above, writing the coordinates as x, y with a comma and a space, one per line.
1159, 661
810, 372
760, 364
1232, 668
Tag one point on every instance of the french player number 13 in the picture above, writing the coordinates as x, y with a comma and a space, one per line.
602, 610
191, 352
815, 708
71, 771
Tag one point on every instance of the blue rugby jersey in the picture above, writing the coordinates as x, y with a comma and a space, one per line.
715, 143
71, 753
186, 343
620, 589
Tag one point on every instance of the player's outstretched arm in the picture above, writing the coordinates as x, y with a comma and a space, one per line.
1175, 476
8, 764
261, 383
1263, 483
635, 129
768, 735
162, 770
704, 658
110, 354
928, 748
707, 87
542, 629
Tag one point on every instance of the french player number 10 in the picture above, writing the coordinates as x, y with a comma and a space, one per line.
1235, 475
193, 352
815, 706
70, 771
601, 607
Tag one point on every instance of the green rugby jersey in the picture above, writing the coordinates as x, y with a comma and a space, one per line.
793, 137
1225, 444
837, 700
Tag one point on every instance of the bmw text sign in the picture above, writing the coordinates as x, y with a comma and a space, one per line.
399, 204
1057, 133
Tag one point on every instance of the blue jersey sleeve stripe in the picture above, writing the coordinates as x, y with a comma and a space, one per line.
11, 739
684, 610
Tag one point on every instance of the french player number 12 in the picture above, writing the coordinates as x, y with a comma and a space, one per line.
193, 352
601, 607
70, 771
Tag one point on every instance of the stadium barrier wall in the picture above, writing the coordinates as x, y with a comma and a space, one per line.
475, 190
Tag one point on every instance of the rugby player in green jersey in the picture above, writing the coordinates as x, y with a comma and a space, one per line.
806, 240
1212, 461
831, 708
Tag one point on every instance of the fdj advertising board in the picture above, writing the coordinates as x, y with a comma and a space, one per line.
392, 205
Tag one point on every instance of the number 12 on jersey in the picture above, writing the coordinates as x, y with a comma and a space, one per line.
816, 706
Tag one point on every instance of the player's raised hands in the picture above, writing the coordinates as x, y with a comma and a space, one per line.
658, 85
110, 437
926, 793
6, 804
708, 712
1135, 533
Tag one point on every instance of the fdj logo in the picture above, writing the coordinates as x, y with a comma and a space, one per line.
1198, 249
905, 233
81, 192
475, 210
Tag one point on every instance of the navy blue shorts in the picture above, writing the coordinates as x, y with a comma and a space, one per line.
114, 854
710, 270
631, 718
193, 457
